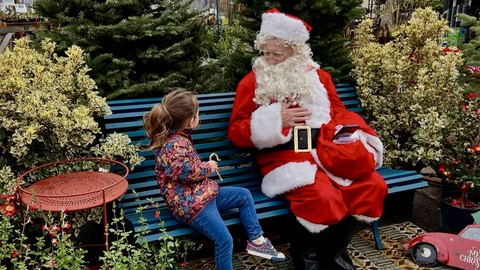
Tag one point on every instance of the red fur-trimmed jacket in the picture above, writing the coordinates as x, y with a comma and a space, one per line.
261, 127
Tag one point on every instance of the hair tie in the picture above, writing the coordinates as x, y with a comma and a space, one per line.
163, 107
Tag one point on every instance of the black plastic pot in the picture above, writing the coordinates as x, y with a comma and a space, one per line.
452, 218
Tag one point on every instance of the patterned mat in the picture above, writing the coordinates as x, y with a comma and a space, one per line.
362, 252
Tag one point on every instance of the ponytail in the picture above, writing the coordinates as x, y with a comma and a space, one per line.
176, 109
156, 124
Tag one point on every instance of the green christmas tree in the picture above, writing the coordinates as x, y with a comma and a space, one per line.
328, 19
134, 48
471, 54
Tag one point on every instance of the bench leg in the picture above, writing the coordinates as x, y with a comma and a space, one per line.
376, 234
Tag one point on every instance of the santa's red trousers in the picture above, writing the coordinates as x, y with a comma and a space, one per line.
325, 202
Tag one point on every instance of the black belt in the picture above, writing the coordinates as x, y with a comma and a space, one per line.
302, 141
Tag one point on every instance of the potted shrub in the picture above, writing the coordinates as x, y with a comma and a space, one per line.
461, 167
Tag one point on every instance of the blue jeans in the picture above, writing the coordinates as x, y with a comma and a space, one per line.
210, 223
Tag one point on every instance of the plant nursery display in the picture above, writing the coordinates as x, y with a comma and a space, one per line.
460, 167
49, 111
425, 107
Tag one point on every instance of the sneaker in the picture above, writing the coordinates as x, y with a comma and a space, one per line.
265, 250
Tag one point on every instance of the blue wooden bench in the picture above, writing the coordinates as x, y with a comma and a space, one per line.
236, 165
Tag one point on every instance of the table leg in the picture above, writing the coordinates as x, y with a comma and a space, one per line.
105, 229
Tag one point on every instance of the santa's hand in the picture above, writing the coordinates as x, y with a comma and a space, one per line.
294, 116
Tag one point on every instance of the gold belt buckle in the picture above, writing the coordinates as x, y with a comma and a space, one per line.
298, 139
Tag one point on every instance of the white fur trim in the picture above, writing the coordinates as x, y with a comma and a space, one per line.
312, 227
281, 26
373, 145
320, 106
365, 218
288, 177
266, 127
338, 180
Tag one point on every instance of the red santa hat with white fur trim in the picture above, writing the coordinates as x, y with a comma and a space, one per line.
284, 26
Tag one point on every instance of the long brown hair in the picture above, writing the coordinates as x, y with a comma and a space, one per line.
176, 109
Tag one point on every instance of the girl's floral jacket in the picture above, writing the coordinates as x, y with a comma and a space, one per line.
182, 176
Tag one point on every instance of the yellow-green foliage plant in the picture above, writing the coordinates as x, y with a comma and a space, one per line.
49, 105
49, 109
409, 88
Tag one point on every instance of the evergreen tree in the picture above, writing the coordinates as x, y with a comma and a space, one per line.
234, 51
328, 19
471, 54
134, 47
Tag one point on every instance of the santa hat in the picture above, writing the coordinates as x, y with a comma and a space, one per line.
284, 26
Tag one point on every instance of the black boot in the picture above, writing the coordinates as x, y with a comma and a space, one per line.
298, 244
340, 236
311, 259
304, 248
297, 249
342, 261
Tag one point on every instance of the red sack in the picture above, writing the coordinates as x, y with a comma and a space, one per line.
348, 161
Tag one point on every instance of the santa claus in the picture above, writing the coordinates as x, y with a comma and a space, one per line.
287, 107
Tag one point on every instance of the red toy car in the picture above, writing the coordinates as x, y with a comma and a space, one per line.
462, 250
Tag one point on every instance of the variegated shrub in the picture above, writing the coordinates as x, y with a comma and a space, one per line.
409, 88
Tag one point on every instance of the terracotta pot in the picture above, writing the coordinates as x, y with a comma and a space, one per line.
453, 218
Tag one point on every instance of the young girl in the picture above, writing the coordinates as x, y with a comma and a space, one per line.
183, 178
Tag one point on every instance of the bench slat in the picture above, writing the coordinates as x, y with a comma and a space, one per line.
139, 114
154, 100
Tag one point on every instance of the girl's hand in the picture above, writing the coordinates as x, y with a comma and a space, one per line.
213, 165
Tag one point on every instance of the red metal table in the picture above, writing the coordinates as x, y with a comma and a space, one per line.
77, 190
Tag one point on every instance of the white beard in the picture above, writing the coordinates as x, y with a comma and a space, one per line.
285, 82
